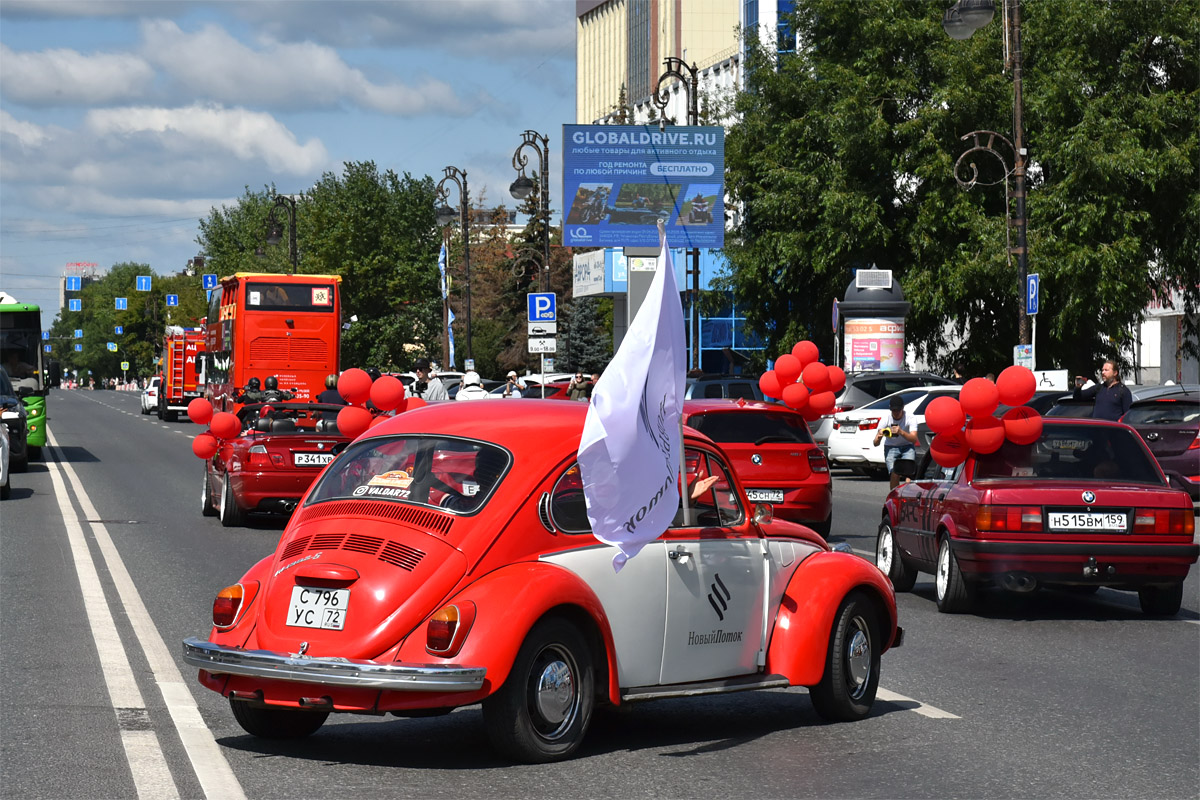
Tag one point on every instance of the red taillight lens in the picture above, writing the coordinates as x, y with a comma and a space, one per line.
816, 460
259, 456
868, 424
441, 629
231, 602
1195, 445
1164, 520
840, 409
1009, 519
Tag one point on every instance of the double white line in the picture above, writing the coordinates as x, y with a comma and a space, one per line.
151, 775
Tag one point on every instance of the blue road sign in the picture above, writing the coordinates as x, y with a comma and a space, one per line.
143, 283
119, 329
45, 334
172, 299
1032, 290
122, 304
209, 280
542, 307
74, 284
79, 333
46, 348
112, 346
78, 348
75, 305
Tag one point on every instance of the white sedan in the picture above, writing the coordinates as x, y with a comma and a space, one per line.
852, 442
150, 396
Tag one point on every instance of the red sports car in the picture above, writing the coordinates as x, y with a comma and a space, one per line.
282, 448
445, 558
1086, 505
773, 452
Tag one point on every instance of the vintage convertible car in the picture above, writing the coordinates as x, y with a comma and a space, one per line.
269, 466
1084, 506
445, 559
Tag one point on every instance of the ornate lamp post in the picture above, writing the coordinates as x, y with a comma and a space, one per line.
445, 216
522, 187
275, 228
960, 21
675, 69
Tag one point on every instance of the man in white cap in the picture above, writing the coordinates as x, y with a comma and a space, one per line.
471, 388
514, 386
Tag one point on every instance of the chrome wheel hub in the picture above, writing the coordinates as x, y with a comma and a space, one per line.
858, 657
943, 570
554, 692
883, 556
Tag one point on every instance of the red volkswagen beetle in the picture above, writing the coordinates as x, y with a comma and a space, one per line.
445, 559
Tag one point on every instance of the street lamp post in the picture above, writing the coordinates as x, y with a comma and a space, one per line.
275, 228
445, 216
960, 21
675, 69
522, 187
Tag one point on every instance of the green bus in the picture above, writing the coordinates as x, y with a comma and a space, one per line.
21, 357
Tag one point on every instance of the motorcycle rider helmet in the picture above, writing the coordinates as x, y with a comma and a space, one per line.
271, 383
253, 384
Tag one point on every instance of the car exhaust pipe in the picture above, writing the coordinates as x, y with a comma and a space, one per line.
1020, 582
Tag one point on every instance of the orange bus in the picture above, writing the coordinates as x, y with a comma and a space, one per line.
260, 325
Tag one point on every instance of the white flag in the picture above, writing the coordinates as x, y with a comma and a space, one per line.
630, 451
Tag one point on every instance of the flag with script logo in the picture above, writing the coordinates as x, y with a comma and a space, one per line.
630, 451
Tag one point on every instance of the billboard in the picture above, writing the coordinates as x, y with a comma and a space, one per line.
874, 344
619, 180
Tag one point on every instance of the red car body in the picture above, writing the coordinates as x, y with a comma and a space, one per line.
1086, 505
773, 452
445, 558
281, 450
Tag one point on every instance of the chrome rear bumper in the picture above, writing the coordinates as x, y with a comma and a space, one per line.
356, 673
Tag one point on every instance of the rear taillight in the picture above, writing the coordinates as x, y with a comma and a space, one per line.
1009, 519
259, 457
816, 460
447, 629
1195, 445
231, 601
840, 409
868, 424
1164, 520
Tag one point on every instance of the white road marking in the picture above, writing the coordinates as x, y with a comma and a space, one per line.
923, 709
212, 769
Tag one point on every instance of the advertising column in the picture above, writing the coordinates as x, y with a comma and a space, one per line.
874, 344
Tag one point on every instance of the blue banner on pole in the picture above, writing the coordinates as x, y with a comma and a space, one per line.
450, 330
619, 180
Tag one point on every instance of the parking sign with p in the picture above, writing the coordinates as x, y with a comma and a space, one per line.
542, 307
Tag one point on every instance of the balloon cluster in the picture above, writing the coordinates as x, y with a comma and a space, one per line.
983, 433
385, 393
803, 382
221, 426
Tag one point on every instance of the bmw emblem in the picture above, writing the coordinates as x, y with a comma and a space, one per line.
1089, 497
320, 445
756, 460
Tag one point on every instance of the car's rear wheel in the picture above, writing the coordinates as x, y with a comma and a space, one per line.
542, 711
231, 515
847, 689
276, 723
954, 594
207, 508
889, 560
1161, 601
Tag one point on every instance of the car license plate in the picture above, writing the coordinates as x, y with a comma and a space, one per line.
764, 495
312, 459
1088, 521
318, 608
849, 427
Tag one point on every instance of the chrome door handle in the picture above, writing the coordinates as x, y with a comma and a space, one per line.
680, 555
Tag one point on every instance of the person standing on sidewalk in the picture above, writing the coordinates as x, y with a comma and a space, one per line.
1113, 398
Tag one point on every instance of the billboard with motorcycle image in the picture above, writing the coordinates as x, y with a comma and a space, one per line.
620, 180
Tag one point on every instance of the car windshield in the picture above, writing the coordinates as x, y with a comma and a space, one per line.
1163, 412
759, 427
1073, 452
458, 475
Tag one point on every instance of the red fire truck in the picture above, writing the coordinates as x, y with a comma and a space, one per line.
264, 325
183, 371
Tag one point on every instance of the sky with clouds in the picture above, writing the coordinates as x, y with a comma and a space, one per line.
124, 122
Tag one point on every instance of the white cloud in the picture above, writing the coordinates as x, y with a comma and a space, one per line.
28, 134
248, 135
68, 77
211, 63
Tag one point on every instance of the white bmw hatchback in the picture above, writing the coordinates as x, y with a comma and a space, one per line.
852, 442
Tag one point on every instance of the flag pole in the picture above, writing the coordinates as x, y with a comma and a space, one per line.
685, 492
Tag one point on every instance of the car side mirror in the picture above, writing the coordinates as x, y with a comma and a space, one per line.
763, 513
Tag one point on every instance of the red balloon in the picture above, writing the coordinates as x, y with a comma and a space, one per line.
205, 445
985, 434
979, 397
806, 351
837, 379
809, 413
1016, 385
944, 414
816, 377
822, 403
352, 421
949, 449
200, 411
415, 402
382, 418
787, 368
354, 385
387, 392
225, 425
1022, 425
795, 395
769, 383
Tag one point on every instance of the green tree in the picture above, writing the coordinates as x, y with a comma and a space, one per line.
844, 153
587, 343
